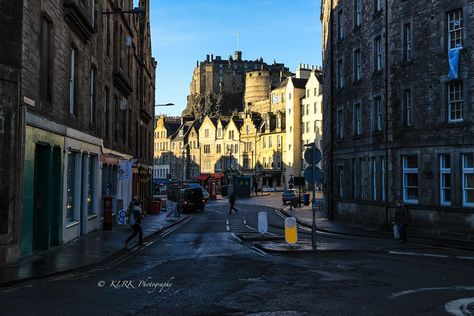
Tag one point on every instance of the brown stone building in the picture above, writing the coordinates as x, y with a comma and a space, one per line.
218, 85
397, 126
86, 105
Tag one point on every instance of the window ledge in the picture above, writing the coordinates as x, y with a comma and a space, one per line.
92, 216
72, 224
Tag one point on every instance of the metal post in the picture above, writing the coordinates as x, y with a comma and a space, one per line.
313, 226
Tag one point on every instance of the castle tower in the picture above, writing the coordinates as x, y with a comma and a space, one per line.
257, 87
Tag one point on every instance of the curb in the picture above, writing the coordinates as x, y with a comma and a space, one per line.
260, 238
114, 256
299, 251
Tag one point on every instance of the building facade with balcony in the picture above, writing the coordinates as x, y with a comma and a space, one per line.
398, 113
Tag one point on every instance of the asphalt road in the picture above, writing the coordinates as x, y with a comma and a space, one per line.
203, 268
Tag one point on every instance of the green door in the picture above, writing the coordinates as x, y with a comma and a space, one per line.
42, 198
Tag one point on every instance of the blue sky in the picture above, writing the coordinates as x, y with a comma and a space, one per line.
184, 31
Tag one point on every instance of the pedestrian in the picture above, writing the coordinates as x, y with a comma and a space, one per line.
131, 205
232, 203
402, 220
135, 221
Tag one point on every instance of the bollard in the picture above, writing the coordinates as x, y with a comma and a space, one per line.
291, 230
262, 222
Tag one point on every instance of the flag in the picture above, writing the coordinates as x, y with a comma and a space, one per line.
453, 55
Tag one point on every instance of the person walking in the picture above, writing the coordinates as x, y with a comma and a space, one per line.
402, 220
232, 203
135, 220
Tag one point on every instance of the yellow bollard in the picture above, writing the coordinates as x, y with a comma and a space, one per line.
291, 230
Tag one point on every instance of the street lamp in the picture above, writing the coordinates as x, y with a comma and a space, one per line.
167, 104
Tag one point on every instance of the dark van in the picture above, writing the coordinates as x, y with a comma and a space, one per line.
191, 199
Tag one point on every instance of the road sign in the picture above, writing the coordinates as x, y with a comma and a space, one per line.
291, 231
298, 181
308, 155
308, 175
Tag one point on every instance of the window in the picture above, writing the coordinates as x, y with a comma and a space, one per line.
340, 124
445, 179
407, 42
247, 129
357, 119
71, 188
468, 180
92, 96
383, 178
278, 141
378, 5
270, 141
378, 53
455, 101
307, 108
408, 107
207, 149
307, 127
289, 96
46, 81
93, 13
315, 110
357, 65
219, 148
357, 13
72, 82
316, 127
264, 142
374, 179
341, 181
340, 25
340, 73
378, 114
206, 133
91, 178
455, 29
231, 135
315, 91
410, 179
106, 112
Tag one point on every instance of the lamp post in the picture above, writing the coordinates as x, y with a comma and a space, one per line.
290, 185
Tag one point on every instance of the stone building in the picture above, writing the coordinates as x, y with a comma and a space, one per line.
398, 122
165, 128
86, 100
218, 85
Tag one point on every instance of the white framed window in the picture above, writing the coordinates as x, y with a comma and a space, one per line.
341, 181
378, 114
357, 119
270, 141
410, 179
206, 133
357, 13
378, 5
455, 101
383, 177
378, 53
374, 178
340, 25
278, 141
408, 107
445, 179
468, 180
357, 65
71, 189
407, 42
455, 29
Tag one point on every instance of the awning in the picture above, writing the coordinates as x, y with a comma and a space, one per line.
203, 177
218, 175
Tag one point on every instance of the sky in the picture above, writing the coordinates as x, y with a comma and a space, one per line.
185, 31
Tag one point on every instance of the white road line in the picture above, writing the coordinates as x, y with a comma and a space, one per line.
227, 226
434, 256
463, 257
250, 227
428, 289
459, 307
245, 222
259, 251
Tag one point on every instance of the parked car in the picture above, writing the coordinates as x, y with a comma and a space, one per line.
290, 195
191, 199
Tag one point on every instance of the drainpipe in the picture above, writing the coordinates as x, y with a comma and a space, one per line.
387, 220
331, 121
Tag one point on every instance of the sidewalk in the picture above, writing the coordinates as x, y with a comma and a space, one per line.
97, 247
304, 216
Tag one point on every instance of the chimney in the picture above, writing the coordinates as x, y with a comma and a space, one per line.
238, 55
207, 58
212, 57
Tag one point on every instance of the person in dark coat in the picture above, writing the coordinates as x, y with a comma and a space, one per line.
232, 203
402, 220
135, 222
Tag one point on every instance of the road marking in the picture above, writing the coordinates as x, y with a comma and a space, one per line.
250, 227
466, 258
258, 251
407, 253
459, 307
428, 289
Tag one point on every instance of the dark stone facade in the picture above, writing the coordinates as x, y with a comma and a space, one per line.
412, 90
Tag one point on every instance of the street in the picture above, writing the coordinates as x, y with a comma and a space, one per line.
203, 268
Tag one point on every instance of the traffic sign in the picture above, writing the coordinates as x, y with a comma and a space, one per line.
308, 175
309, 155
262, 222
